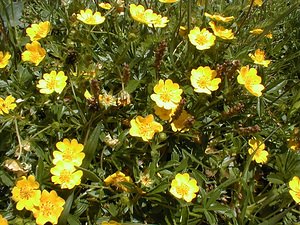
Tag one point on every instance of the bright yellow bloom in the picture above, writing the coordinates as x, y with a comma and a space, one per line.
219, 17
38, 31
180, 123
257, 2
162, 113
105, 5
168, 1
147, 17
49, 209
34, 53
4, 59
111, 222
258, 31
294, 185
3, 221
7, 104
65, 174
257, 149
117, 179
87, 17
88, 95
251, 80
221, 32
167, 94
201, 39
52, 82
203, 80
26, 193
144, 127
69, 151
184, 187
259, 58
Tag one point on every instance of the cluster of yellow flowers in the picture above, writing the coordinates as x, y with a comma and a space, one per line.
66, 161
45, 206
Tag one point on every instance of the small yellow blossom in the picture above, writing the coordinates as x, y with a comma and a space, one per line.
257, 149
168, 1
258, 31
117, 179
4, 59
7, 104
34, 53
167, 94
259, 58
294, 141
65, 174
107, 100
164, 114
221, 32
52, 82
184, 187
257, 2
201, 39
183, 32
251, 80
147, 17
219, 17
3, 221
69, 151
26, 193
144, 127
203, 80
88, 95
38, 31
87, 17
294, 185
105, 5
111, 222
49, 209
180, 124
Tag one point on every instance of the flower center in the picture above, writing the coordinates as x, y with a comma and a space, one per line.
165, 96
182, 189
201, 39
26, 193
47, 208
51, 84
65, 176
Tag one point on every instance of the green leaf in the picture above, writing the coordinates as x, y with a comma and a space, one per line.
132, 86
73, 220
66, 212
161, 188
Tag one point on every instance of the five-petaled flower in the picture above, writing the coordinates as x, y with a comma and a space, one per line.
118, 179
144, 127
3, 221
87, 17
204, 80
7, 104
26, 193
167, 94
251, 80
38, 31
294, 185
183, 122
259, 58
201, 39
52, 82
257, 150
219, 17
66, 175
49, 209
34, 53
221, 32
184, 187
4, 59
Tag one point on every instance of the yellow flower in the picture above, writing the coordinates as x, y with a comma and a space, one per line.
111, 222
34, 53
201, 39
203, 80
168, 1
294, 185
88, 95
52, 82
49, 209
38, 31
294, 141
162, 113
180, 123
69, 151
251, 80
87, 17
105, 5
221, 31
117, 179
147, 17
257, 149
167, 94
4, 59
26, 193
259, 58
65, 174
183, 31
257, 2
107, 100
258, 31
7, 104
184, 187
219, 17
3, 221
144, 127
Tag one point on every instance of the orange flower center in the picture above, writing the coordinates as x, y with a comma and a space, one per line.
47, 208
26, 192
201, 39
165, 96
182, 189
51, 84
65, 176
